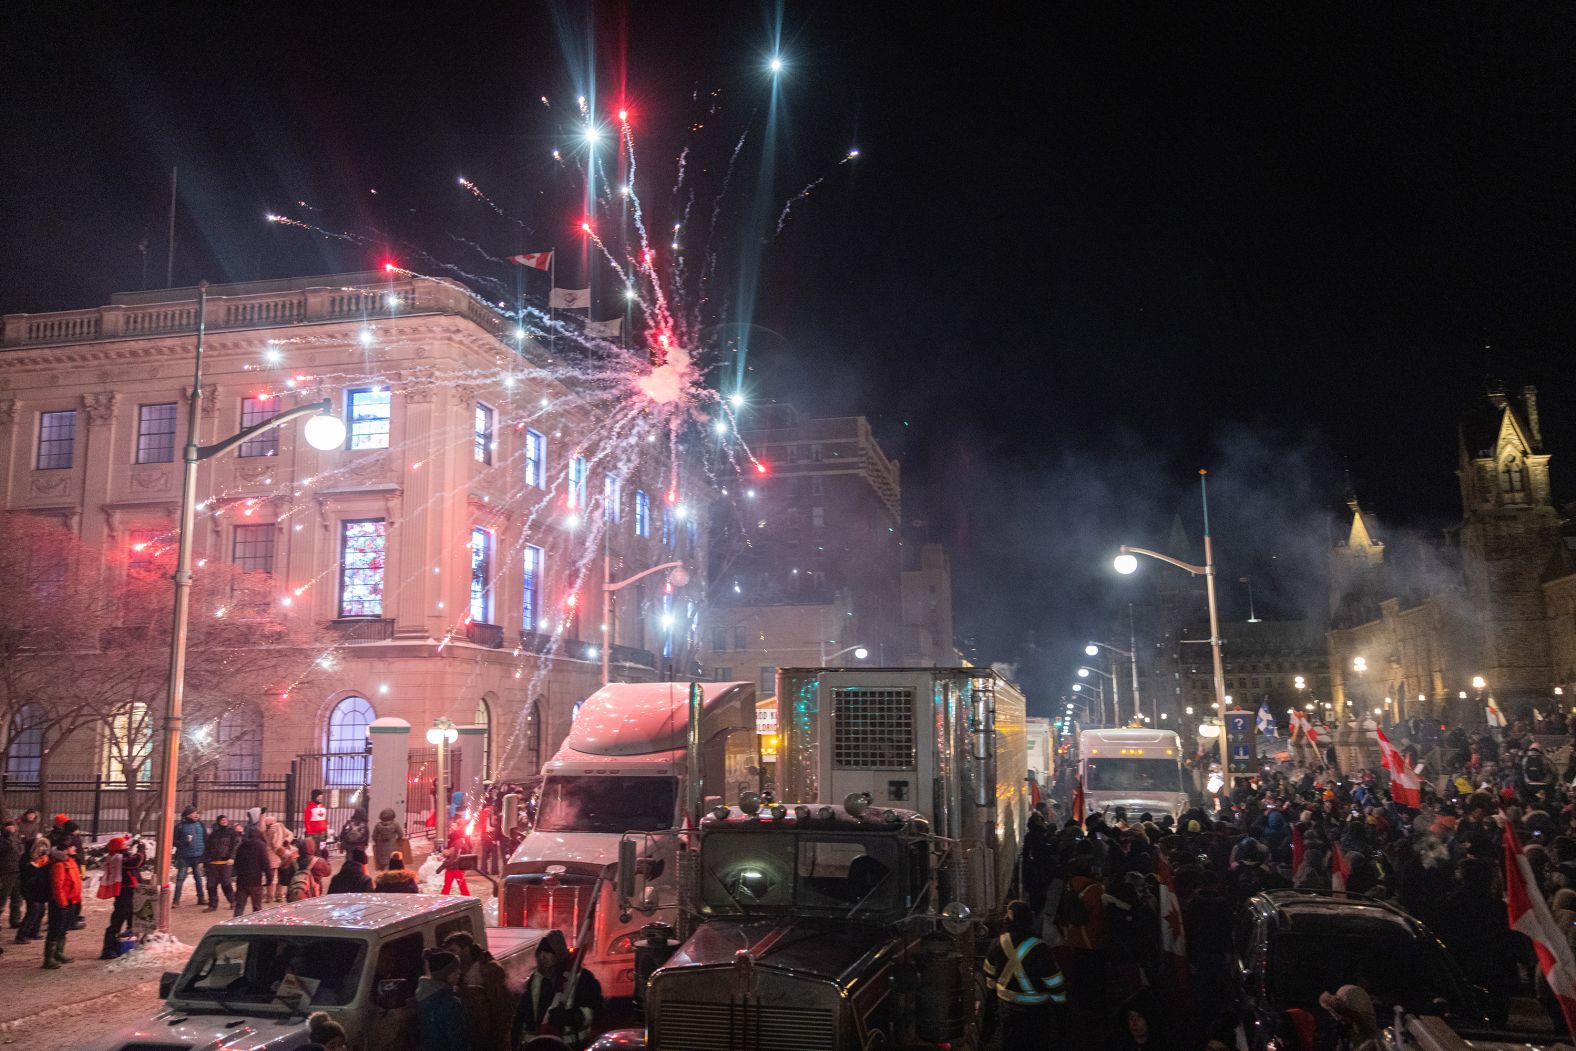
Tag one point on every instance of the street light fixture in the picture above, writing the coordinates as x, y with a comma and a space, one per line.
323, 432
680, 578
859, 652
1094, 648
441, 736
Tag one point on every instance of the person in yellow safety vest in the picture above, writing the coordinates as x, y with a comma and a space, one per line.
1030, 991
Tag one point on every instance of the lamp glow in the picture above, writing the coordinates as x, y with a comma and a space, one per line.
325, 432
1092, 650
1125, 564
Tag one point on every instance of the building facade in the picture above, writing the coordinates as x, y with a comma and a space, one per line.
455, 546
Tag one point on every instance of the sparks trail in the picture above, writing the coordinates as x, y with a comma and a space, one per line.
285, 220
480, 250
476, 192
802, 194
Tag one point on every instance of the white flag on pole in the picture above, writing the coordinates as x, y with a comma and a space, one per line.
610, 329
570, 299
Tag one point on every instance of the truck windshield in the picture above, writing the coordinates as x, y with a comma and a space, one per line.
1132, 775
783, 871
584, 803
295, 972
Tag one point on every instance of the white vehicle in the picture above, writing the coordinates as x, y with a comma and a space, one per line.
253, 979
946, 743
623, 769
1042, 750
1140, 770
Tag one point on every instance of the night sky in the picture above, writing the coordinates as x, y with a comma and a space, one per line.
1081, 254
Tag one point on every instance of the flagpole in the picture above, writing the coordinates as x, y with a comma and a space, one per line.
552, 316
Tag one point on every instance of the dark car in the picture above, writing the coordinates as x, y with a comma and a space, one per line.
1292, 945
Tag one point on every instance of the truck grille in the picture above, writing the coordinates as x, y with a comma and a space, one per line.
686, 1025
560, 903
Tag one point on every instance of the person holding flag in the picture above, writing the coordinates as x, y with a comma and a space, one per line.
1405, 788
1529, 914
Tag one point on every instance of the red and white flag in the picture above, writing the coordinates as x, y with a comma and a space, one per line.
1404, 786
1529, 914
534, 260
1298, 723
1492, 713
1340, 868
1078, 800
1311, 730
1173, 936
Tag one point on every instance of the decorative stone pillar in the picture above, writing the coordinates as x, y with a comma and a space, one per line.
390, 738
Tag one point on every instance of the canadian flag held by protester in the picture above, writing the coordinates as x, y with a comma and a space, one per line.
1529, 914
1173, 936
1404, 786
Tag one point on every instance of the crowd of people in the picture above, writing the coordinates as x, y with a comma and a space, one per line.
1086, 959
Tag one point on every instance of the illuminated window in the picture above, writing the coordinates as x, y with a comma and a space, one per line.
253, 548
57, 435
156, 433
535, 459
128, 745
361, 551
240, 745
481, 575
369, 412
531, 602
667, 625
577, 482
642, 513
1512, 479
348, 764
667, 527
24, 757
612, 499
483, 437
253, 412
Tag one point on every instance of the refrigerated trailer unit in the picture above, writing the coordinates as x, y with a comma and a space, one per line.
947, 743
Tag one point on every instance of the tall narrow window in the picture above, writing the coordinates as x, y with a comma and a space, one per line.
156, 433
253, 412
533, 737
240, 734
535, 459
483, 438
1512, 480
253, 549
361, 549
577, 482
612, 498
531, 600
483, 718
24, 756
667, 625
57, 437
481, 575
818, 517
348, 764
642, 513
667, 527
128, 745
369, 411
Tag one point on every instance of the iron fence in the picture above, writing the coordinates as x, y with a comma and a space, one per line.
100, 806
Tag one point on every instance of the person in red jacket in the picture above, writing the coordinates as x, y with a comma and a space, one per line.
65, 892
314, 819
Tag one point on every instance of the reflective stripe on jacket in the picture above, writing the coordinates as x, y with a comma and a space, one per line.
1020, 980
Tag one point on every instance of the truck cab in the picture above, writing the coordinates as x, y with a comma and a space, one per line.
253, 979
1137, 769
818, 930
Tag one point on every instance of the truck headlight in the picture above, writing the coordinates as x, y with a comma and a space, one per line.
623, 945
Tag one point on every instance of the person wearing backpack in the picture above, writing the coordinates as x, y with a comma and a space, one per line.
1030, 990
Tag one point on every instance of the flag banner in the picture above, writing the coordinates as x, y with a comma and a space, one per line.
1173, 936
1267, 727
1492, 712
534, 260
1529, 914
1404, 785
605, 329
570, 299
1340, 869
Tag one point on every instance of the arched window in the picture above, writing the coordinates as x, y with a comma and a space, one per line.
24, 757
1512, 478
533, 738
128, 745
483, 718
348, 764
240, 745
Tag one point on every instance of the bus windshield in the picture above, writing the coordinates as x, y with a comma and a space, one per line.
1132, 775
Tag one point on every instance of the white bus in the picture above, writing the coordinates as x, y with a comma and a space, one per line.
1140, 770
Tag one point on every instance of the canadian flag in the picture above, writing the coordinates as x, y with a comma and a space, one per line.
1529, 914
534, 260
1173, 936
1340, 869
1298, 723
1404, 786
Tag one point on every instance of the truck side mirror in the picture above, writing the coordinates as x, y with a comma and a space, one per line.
167, 982
626, 869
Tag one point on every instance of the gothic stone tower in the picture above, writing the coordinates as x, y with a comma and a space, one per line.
1508, 533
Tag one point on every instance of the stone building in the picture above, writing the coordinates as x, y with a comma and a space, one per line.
1420, 634
454, 545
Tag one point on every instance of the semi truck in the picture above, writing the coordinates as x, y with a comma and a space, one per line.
949, 744
630, 764
1137, 769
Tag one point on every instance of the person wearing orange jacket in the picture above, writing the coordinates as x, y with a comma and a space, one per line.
65, 892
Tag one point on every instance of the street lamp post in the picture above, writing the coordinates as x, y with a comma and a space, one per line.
1078, 687
859, 652
608, 587
1126, 563
1116, 694
324, 431
1132, 662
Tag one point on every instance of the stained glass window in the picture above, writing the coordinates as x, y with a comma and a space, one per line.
369, 410
57, 434
253, 412
531, 604
361, 549
535, 459
481, 575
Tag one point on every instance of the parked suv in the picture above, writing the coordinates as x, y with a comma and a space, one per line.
1292, 945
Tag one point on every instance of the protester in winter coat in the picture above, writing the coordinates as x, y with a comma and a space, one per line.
355, 833
386, 835
251, 870
11, 848
28, 827
444, 1026
484, 989
190, 842
65, 893
545, 1008
352, 876
1353, 1011
122, 866
397, 879
278, 839
314, 819
459, 844
35, 890
218, 861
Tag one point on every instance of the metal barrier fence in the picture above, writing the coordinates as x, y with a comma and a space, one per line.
100, 806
